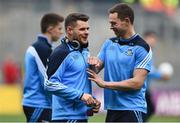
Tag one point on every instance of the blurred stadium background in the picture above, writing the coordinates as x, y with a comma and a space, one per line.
19, 25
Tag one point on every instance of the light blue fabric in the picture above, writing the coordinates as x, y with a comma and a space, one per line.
119, 63
34, 94
68, 84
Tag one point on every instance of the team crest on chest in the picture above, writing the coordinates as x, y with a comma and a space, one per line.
129, 52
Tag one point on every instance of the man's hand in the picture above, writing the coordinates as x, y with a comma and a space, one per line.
88, 99
92, 60
96, 106
97, 79
95, 64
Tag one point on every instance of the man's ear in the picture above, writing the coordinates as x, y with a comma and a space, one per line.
127, 20
69, 29
49, 29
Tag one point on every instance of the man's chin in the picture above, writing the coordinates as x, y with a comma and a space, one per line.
85, 42
116, 33
55, 39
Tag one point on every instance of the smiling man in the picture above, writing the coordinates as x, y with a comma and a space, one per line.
126, 59
68, 79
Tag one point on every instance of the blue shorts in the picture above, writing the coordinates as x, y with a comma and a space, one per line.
34, 114
124, 116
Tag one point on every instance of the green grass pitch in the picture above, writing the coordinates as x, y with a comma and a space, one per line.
95, 118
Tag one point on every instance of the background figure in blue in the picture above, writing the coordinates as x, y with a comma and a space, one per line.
151, 38
68, 79
36, 106
126, 59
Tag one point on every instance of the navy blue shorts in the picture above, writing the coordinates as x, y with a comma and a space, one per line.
124, 116
70, 121
37, 114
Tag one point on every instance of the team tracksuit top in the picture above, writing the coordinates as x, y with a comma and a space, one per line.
35, 71
68, 80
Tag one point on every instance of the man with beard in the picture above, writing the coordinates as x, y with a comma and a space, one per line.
36, 103
68, 79
126, 59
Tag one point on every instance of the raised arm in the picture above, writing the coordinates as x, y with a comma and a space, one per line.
134, 83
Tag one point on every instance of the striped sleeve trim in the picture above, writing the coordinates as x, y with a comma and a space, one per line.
63, 90
39, 63
146, 60
54, 86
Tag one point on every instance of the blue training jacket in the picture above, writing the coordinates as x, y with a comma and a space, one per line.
36, 56
68, 80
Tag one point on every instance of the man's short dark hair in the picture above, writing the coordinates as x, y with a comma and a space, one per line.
72, 18
123, 11
50, 19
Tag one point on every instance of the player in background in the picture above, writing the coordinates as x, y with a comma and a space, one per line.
68, 79
36, 103
126, 59
151, 38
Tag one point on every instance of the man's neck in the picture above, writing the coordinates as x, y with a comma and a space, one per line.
129, 33
70, 38
48, 37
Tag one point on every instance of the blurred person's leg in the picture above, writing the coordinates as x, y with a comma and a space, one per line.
150, 106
